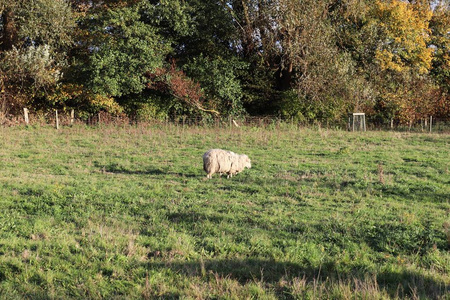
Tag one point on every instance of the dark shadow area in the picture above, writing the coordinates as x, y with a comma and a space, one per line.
189, 219
118, 169
243, 271
422, 194
318, 154
186, 175
398, 190
396, 284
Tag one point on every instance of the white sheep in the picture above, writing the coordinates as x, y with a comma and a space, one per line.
223, 161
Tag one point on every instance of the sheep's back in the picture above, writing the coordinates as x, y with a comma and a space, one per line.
217, 161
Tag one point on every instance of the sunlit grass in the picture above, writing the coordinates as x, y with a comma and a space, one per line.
127, 211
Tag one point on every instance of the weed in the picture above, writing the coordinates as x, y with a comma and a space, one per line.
380, 173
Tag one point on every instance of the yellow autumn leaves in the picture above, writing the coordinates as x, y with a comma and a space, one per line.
406, 30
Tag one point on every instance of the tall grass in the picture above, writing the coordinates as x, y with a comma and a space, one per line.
126, 211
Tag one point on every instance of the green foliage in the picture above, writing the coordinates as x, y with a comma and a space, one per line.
34, 66
34, 40
173, 18
201, 33
193, 27
45, 22
39, 22
390, 46
122, 50
313, 59
304, 109
440, 26
293, 107
151, 106
259, 94
218, 78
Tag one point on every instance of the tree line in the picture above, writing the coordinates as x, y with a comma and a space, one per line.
300, 59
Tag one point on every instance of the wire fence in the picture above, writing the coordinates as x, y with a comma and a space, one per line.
71, 118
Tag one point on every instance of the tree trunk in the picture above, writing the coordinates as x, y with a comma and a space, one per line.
284, 78
9, 36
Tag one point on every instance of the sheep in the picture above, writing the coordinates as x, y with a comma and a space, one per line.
223, 161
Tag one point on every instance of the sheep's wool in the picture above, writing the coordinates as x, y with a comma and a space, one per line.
223, 161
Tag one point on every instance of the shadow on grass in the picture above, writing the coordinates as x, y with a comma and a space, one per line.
189, 219
118, 169
416, 193
396, 284
323, 180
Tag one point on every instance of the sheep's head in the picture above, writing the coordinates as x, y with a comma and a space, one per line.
248, 163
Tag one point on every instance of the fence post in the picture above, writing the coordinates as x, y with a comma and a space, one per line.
25, 112
364, 122
431, 122
72, 116
57, 120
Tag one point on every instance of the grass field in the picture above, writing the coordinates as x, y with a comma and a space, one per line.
126, 212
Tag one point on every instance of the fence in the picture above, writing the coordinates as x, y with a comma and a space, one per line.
69, 118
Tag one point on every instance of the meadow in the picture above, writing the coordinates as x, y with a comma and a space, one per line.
126, 212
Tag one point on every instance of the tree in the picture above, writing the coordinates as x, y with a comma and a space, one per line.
403, 43
404, 57
202, 36
306, 59
218, 79
34, 38
293, 44
440, 42
390, 44
117, 51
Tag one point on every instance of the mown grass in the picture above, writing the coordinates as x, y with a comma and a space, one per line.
126, 212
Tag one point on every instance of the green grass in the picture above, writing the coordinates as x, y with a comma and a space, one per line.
127, 212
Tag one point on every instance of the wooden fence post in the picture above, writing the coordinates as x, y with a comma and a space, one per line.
72, 117
364, 122
25, 112
57, 120
431, 122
